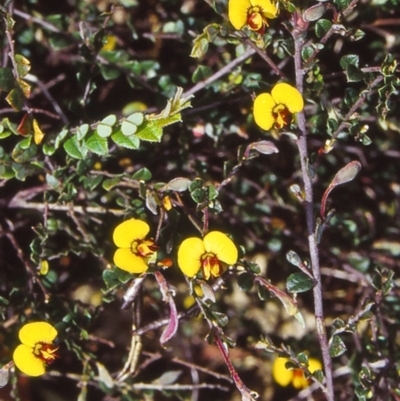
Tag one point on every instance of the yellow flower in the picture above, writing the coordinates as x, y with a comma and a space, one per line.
253, 13
284, 376
208, 254
37, 349
134, 250
276, 109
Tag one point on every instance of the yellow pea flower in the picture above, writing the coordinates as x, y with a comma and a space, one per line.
253, 13
208, 254
275, 109
134, 251
295, 377
37, 349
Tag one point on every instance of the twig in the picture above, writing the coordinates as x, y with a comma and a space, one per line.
141, 386
309, 210
356, 105
39, 21
65, 208
47, 94
225, 70
265, 57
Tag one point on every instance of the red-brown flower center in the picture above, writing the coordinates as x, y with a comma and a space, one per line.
45, 352
299, 380
211, 266
282, 116
255, 19
143, 248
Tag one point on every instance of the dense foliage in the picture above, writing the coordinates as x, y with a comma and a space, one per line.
190, 190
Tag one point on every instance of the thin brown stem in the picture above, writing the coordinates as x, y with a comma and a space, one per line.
298, 37
223, 71
356, 105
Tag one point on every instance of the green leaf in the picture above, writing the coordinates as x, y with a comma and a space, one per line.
341, 4
303, 358
22, 154
306, 52
200, 46
201, 42
201, 73
97, 144
15, 99
6, 172
110, 278
111, 183
23, 65
4, 134
354, 74
336, 346
131, 124
151, 132
91, 182
75, 148
178, 184
322, 27
109, 72
82, 131
199, 195
143, 174
123, 276
299, 282
245, 281
7, 81
129, 142
349, 59
104, 127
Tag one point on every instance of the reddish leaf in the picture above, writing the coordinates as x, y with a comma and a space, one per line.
25, 126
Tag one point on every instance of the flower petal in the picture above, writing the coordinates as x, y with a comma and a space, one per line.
289, 96
262, 110
269, 10
314, 364
298, 380
221, 246
237, 12
36, 332
189, 256
26, 361
128, 261
280, 374
125, 233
